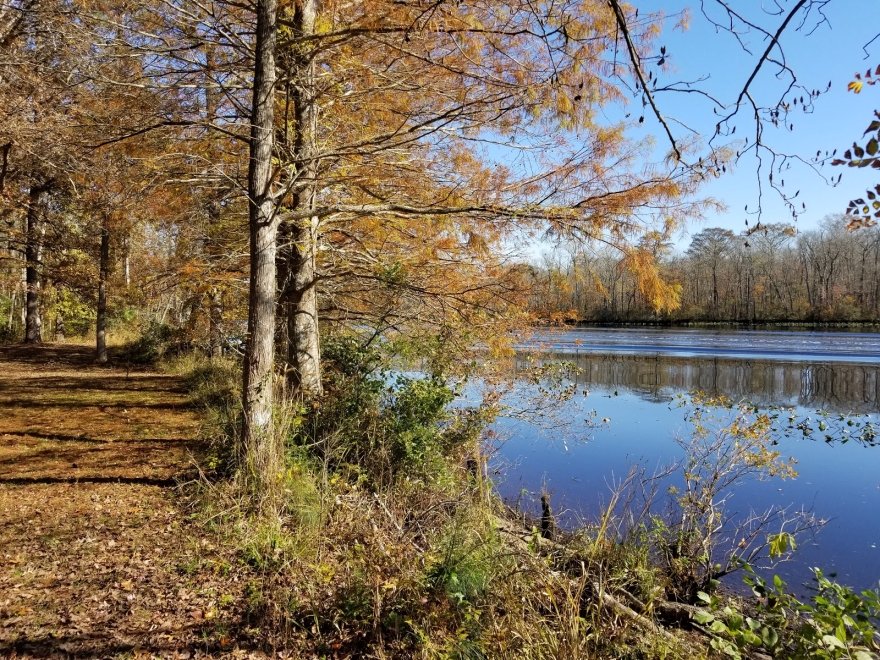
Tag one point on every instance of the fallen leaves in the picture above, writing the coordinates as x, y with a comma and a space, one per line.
90, 568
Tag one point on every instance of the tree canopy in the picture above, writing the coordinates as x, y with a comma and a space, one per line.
312, 165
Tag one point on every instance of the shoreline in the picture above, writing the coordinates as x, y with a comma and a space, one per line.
734, 325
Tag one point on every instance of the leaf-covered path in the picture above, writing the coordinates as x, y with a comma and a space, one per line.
97, 556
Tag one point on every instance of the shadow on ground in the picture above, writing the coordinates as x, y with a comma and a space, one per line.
98, 557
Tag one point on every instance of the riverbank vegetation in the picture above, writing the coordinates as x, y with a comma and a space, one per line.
391, 541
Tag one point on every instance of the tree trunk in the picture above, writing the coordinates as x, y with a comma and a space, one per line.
34, 233
261, 448
103, 276
304, 339
215, 293
299, 291
126, 262
715, 290
59, 328
215, 320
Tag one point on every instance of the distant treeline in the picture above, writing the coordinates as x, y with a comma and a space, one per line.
770, 274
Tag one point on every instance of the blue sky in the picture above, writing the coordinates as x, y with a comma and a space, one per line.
833, 52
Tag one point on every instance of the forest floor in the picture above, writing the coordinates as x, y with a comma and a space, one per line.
99, 556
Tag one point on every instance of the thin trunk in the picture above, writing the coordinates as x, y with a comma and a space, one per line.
191, 321
215, 320
35, 231
810, 302
303, 333
215, 293
261, 448
12, 305
715, 290
21, 295
103, 276
126, 262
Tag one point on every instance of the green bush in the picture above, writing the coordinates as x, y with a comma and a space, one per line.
157, 341
836, 622
77, 314
10, 329
414, 410
380, 426
468, 560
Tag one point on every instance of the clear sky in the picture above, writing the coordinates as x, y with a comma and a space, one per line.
822, 50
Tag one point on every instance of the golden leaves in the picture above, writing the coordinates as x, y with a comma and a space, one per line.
663, 296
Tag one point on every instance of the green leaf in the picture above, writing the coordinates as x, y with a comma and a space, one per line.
872, 147
703, 617
719, 628
832, 642
751, 638
779, 545
770, 637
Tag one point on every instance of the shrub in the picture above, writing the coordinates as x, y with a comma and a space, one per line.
700, 542
835, 622
380, 426
156, 341
77, 314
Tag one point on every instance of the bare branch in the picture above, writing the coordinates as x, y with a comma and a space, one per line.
637, 67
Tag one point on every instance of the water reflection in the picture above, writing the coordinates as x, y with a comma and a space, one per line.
836, 387
633, 385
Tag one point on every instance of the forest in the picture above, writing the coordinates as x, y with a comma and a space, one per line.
252, 255
771, 273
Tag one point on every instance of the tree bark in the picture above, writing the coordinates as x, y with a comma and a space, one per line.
103, 276
215, 320
60, 332
299, 291
34, 233
261, 448
304, 339
215, 293
126, 262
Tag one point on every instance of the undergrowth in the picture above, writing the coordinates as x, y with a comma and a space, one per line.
391, 543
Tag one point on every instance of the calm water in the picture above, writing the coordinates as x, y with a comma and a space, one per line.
634, 379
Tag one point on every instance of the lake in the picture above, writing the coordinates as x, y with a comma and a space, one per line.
627, 410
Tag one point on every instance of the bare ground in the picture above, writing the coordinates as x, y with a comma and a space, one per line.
98, 556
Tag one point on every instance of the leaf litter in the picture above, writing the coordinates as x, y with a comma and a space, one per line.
98, 555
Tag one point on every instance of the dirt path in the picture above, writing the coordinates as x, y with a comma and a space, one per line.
97, 557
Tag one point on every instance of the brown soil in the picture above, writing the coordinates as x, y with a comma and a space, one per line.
98, 557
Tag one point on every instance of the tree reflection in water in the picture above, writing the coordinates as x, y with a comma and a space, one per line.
839, 388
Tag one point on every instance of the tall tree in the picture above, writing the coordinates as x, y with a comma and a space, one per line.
262, 446
417, 115
709, 247
299, 284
